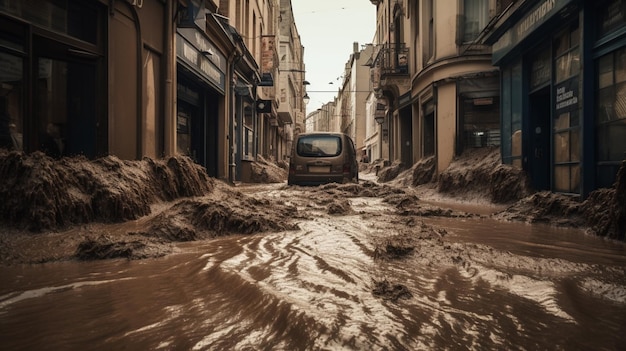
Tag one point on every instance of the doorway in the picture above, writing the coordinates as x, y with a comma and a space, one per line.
429, 129
539, 142
406, 137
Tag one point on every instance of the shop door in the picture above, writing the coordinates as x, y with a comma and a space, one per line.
406, 137
539, 158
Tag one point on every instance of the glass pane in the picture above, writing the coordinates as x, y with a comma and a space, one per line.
574, 119
605, 105
561, 44
247, 117
11, 118
574, 179
575, 37
320, 146
516, 143
562, 121
605, 71
620, 65
567, 65
52, 106
616, 140
561, 147
620, 101
562, 178
575, 145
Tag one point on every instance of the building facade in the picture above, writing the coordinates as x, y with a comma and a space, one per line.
563, 116
87, 77
435, 84
145, 78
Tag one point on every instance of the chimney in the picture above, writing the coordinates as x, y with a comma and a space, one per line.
355, 47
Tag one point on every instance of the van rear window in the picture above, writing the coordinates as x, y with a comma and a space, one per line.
319, 146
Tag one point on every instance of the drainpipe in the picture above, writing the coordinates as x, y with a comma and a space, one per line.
170, 62
233, 59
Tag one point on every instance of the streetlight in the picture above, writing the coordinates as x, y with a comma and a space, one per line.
306, 98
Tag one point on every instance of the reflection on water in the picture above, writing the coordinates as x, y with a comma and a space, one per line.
485, 285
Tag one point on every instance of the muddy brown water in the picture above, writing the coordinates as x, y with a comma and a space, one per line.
479, 284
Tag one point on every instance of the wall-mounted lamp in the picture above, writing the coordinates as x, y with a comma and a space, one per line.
207, 53
306, 82
379, 119
306, 98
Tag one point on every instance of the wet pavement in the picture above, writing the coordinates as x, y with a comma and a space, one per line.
368, 278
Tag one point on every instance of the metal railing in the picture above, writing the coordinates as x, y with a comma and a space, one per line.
392, 59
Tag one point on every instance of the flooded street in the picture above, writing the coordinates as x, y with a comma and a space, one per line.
368, 277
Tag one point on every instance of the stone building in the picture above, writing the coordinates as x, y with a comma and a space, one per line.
145, 78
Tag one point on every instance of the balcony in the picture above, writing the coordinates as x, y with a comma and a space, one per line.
390, 66
392, 59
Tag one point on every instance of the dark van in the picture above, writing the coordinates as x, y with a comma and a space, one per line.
321, 157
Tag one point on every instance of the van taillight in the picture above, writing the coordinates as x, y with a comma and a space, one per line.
346, 168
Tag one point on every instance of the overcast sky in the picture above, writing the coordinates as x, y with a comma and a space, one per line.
327, 30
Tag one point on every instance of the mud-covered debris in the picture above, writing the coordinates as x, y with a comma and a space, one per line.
388, 291
545, 207
340, 207
401, 200
40, 193
390, 173
363, 189
408, 241
393, 250
426, 210
508, 184
104, 247
200, 218
266, 171
423, 171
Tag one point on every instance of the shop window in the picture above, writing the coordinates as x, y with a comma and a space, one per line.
248, 142
566, 151
566, 120
183, 137
11, 114
76, 18
566, 53
511, 115
610, 115
481, 122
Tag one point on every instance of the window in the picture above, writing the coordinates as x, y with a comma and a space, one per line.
11, 118
476, 17
319, 146
610, 115
566, 119
248, 132
78, 19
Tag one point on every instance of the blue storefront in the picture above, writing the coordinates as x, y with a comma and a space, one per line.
563, 91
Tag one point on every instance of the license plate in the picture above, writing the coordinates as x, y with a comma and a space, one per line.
319, 169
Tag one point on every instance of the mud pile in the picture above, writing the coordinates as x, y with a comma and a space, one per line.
264, 171
479, 173
603, 212
40, 193
203, 218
